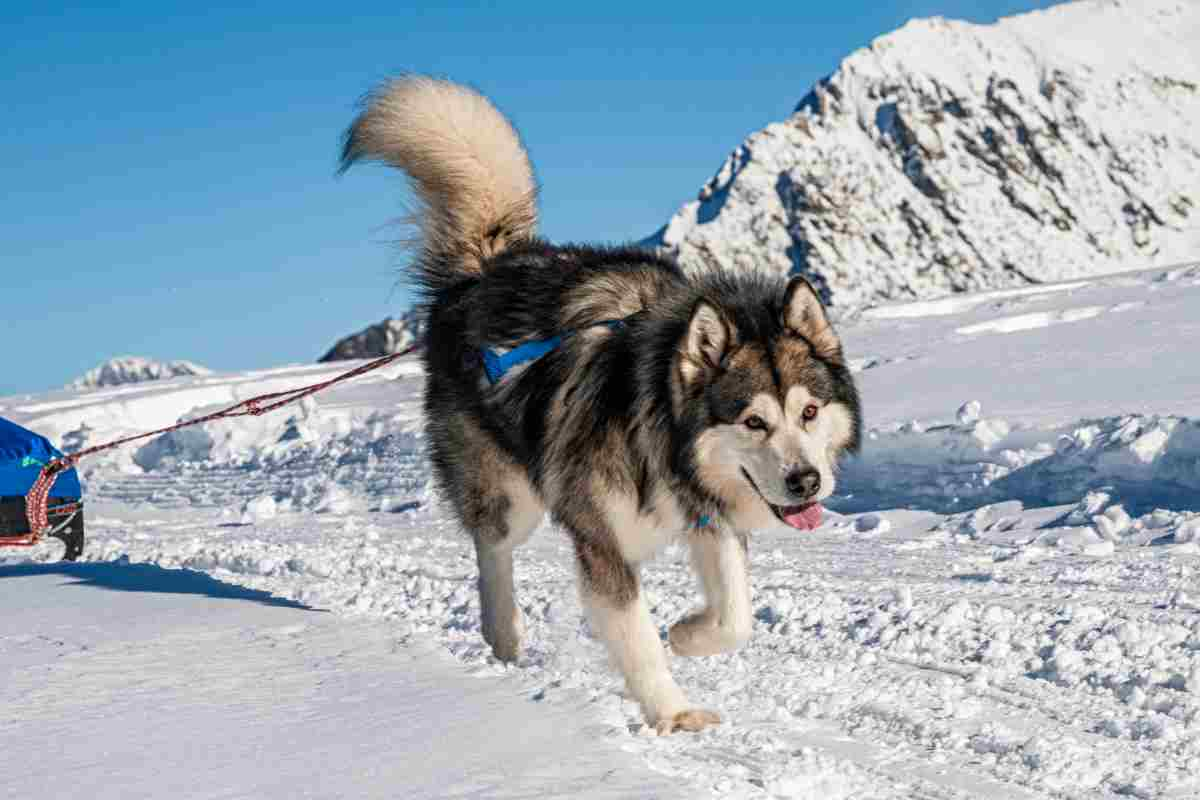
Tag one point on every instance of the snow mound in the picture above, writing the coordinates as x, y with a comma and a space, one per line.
134, 369
309, 460
1148, 460
951, 157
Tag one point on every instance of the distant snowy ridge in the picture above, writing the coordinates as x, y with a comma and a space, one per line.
133, 369
949, 157
381, 339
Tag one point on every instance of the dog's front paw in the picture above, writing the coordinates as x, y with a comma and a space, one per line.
701, 635
505, 637
694, 719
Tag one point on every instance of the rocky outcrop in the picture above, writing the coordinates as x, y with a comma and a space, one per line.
381, 339
949, 157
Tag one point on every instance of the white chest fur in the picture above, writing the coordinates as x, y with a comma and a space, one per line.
643, 534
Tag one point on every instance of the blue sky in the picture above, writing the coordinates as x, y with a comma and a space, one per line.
169, 183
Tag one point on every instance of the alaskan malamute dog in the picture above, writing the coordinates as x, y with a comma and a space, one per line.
635, 403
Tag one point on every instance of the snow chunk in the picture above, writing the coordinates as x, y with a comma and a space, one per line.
1112, 523
1188, 531
259, 509
872, 523
1091, 505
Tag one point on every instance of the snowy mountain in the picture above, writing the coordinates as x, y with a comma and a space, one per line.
948, 156
133, 369
381, 339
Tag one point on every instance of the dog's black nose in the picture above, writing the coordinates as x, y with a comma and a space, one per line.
803, 482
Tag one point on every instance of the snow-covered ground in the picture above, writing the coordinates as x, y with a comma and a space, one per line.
1005, 603
131, 680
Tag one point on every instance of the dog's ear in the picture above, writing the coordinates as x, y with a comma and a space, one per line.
804, 315
707, 340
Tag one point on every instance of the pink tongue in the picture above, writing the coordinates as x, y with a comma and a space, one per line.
805, 518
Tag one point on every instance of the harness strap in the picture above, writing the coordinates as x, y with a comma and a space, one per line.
497, 363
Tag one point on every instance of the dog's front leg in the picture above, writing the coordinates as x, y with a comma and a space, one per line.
617, 613
720, 559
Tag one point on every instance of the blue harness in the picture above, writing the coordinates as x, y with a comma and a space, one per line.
497, 363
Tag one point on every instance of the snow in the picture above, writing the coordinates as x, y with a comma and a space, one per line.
1002, 602
152, 682
948, 156
134, 369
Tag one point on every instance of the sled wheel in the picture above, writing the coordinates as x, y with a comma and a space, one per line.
70, 531
72, 539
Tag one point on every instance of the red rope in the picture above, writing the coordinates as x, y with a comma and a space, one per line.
36, 500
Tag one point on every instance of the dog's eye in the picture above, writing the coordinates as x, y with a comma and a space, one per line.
810, 412
755, 423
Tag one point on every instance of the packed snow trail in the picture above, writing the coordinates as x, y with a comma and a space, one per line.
1003, 603
130, 680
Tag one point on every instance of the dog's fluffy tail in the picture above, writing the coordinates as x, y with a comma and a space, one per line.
469, 171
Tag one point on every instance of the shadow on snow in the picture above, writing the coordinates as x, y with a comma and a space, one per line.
122, 576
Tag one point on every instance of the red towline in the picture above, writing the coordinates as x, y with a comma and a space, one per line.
37, 499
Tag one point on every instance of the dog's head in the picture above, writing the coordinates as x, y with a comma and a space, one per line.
761, 384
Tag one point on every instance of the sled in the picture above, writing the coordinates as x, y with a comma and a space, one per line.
24, 459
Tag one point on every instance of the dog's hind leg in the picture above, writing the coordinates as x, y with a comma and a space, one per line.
724, 624
502, 522
498, 507
618, 615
